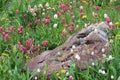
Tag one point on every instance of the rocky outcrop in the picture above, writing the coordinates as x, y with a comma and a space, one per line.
87, 46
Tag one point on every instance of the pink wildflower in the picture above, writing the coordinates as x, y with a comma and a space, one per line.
97, 8
37, 21
20, 29
70, 78
1, 29
17, 12
45, 43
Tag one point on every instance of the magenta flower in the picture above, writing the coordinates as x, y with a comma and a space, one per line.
58, 14
1, 29
70, 28
32, 47
46, 21
61, 5
81, 9
30, 24
20, 29
108, 20
3, 34
12, 29
97, 8
45, 43
37, 21
17, 12
29, 43
6, 37
63, 20
25, 15
71, 78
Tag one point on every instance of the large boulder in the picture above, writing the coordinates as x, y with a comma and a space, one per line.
87, 46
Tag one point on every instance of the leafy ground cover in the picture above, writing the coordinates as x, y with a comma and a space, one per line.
29, 27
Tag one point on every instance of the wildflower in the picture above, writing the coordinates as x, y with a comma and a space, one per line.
43, 14
32, 47
29, 43
58, 14
97, 8
81, 9
29, 8
5, 55
93, 63
38, 70
102, 71
22, 48
92, 53
117, 23
37, 21
30, 24
46, 21
111, 41
77, 57
38, 48
71, 50
112, 77
111, 25
1, 29
117, 7
27, 57
36, 78
73, 46
55, 16
117, 36
55, 25
3, 19
40, 6
103, 50
70, 78
105, 15
45, 43
20, 29
63, 71
95, 14
63, 32
84, 17
110, 58
77, 27
107, 19
12, 29
35, 8
25, 15
61, 5
57, 74
63, 20
6, 37
17, 12
70, 28
47, 5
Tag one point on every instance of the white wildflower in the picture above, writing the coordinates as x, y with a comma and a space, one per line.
38, 70
110, 58
110, 23
71, 50
112, 77
73, 46
36, 77
77, 56
47, 4
55, 25
105, 15
100, 71
95, 30
93, 63
92, 53
85, 25
103, 50
103, 72
55, 16
40, 6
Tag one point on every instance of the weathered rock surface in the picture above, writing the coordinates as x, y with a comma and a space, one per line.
84, 47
